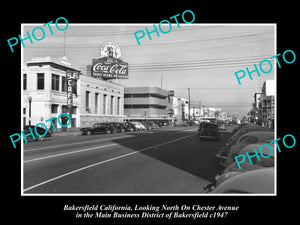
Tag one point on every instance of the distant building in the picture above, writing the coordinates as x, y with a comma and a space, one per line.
263, 107
210, 112
267, 103
146, 103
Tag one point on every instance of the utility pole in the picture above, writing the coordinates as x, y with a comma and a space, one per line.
64, 43
189, 117
199, 109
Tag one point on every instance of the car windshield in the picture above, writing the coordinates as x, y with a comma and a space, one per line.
210, 125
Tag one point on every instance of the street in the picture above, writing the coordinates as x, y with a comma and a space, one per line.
168, 160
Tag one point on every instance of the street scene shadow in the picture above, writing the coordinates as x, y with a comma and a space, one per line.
190, 154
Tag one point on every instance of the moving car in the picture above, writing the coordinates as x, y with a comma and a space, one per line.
208, 130
104, 128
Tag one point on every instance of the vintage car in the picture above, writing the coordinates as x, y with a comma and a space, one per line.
255, 181
104, 128
247, 139
40, 130
208, 131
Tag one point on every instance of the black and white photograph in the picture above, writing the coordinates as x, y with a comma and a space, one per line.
149, 109
132, 114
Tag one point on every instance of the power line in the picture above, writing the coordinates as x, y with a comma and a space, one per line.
169, 42
123, 33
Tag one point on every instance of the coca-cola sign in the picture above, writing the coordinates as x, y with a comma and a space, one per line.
109, 68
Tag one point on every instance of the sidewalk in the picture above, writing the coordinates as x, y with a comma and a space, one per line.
67, 133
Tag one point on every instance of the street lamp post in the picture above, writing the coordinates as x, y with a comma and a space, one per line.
29, 99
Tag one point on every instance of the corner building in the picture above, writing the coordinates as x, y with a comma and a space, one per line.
44, 83
94, 100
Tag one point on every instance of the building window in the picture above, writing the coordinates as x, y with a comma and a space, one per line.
55, 82
63, 84
40, 81
24, 111
54, 108
96, 102
64, 109
112, 105
118, 106
24, 81
73, 122
138, 106
74, 110
104, 103
87, 100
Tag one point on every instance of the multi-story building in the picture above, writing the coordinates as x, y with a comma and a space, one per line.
45, 95
45, 92
267, 103
146, 103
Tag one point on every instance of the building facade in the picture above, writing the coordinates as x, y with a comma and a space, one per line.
267, 103
263, 107
101, 101
45, 95
45, 92
146, 103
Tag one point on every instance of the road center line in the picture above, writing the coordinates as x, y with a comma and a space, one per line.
102, 162
68, 153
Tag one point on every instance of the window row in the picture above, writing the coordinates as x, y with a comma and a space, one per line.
138, 106
55, 83
146, 95
114, 101
64, 109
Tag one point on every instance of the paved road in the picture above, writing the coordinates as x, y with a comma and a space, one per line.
168, 160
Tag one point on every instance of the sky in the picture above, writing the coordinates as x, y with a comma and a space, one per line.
202, 57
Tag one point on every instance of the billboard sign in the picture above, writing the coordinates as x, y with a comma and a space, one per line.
110, 68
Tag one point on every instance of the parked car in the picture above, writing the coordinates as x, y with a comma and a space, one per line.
245, 128
254, 181
136, 125
39, 130
267, 161
105, 128
147, 126
208, 130
152, 124
117, 127
140, 125
247, 139
129, 127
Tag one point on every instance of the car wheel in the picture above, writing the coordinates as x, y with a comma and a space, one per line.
88, 133
40, 138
